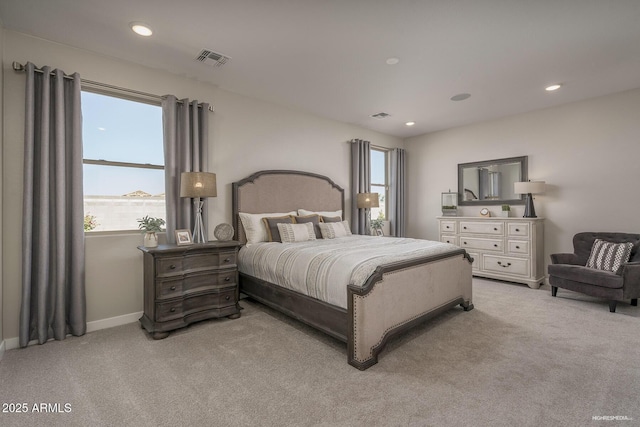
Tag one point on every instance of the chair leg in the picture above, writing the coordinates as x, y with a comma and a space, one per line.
634, 302
612, 306
554, 291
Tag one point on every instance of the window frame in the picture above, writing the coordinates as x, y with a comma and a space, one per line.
385, 185
126, 96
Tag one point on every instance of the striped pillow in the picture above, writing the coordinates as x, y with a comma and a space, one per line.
331, 230
291, 233
608, 255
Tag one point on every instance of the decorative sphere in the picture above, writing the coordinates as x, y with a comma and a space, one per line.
223, 232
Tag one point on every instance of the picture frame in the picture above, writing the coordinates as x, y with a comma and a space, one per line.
379, 232
184, 237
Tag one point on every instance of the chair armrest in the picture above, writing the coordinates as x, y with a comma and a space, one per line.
631, 279
564, 259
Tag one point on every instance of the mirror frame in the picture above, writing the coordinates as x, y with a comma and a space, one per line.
524, 166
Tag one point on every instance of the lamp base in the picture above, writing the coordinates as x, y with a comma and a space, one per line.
199, 234
529, 210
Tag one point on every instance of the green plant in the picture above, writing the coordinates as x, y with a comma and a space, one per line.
150, 225
90, 222
377, 223
506, 208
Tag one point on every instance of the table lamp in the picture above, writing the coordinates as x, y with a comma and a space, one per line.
198, 185
529, 188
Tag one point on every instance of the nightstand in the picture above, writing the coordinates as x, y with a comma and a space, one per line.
186, 284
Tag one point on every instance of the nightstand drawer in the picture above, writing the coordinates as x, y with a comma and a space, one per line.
168, 310
226, 297
486, 227
168, 266
210, 280
483, 244
210, 260
166, 289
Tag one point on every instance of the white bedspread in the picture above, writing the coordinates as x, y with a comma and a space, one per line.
323, 268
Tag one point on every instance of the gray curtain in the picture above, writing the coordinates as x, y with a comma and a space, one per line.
397, 191
186, 129
360, 183
53, 292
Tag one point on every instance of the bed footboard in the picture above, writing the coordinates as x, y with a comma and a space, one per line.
400, 295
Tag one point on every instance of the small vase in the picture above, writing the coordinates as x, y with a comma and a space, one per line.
505, 214
150, 239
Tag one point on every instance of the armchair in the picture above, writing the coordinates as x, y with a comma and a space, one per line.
569, 271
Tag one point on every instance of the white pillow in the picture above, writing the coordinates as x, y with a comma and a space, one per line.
304, 212
331, 230
254, 228
290, 233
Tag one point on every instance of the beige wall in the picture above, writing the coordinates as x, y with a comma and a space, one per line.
246, 135
587, 152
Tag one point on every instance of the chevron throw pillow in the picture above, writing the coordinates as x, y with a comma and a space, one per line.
608, 255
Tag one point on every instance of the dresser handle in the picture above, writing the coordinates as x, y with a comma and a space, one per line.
517, 229
227, 259
517, 247
505, 266
447, 226
172, 309
227, 298
464, 243
464, 228
226, 279
173, 288
495, 229
172, 267
495, 245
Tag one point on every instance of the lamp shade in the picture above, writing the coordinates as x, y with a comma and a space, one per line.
533, 187
198, 184
368, 200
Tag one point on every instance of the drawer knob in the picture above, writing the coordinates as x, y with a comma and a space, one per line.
172, 267
226, 279
227, 298
447, 226
464, 243
517, 229
495, 245
172, 309
517, 247
173, 288
227, 259
464, 227
495, 229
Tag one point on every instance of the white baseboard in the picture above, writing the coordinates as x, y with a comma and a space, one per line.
96, 325
2, 349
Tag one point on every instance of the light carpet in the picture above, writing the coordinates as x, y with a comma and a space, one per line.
520, 358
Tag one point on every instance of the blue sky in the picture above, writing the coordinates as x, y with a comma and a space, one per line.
123, 131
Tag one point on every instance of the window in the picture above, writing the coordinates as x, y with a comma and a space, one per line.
379, 181
123, 162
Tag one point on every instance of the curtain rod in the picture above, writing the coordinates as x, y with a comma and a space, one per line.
378, 147
19, 67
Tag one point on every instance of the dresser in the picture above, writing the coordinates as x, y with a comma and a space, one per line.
186, 284
510, 249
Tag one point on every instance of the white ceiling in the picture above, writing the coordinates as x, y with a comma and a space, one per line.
328, 57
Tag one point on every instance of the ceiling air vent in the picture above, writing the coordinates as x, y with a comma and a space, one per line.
380, 115
212, 58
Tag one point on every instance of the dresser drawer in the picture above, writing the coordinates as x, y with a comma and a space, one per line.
484, 227
518, 247
505, 265
168, 266
516, 229
481, 244
166, 289
449, 239
448, 226
210, 260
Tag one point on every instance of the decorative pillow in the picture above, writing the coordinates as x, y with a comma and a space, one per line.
271, 223
608, 255
331, 219
331, 230
254, 228
292, 233
313, 219
304, 212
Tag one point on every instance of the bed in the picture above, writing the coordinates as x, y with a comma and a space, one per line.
394, 297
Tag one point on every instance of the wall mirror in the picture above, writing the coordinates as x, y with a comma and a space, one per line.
491, 182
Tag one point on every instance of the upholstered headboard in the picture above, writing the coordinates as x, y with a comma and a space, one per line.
283, 191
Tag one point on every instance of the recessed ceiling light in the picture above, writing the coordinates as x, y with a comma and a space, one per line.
392, 61
460, 97
552, 87
410, 123
141, 29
